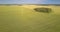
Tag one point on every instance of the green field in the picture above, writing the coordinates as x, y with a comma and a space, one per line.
25, 19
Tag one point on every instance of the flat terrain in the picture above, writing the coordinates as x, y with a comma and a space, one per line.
25, 19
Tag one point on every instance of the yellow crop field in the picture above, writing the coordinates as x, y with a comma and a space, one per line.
26, 19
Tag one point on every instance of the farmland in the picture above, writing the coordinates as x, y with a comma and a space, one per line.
26, 19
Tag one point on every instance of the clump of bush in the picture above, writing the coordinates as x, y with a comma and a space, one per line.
45, 10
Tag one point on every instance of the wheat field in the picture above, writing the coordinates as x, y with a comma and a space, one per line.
26, 19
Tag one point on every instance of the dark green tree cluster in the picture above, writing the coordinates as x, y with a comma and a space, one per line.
45, 10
